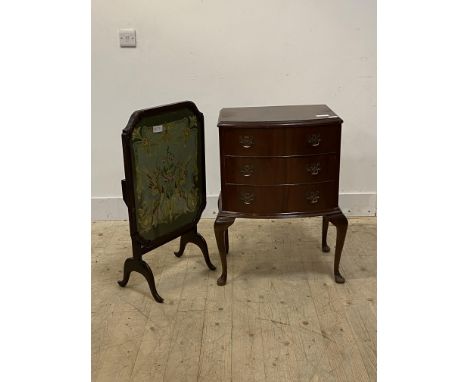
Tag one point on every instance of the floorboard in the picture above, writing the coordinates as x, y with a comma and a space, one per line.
280, 317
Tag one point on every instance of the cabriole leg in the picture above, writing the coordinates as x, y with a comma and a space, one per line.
220, 227
341, 223
226, 240
325, 221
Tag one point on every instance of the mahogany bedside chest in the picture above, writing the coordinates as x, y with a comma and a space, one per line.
279, 162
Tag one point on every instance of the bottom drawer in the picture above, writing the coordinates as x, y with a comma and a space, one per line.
280, 199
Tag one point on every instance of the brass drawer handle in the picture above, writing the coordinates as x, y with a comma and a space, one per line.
314, 139
247, 170
246, 141
314, 168
247, 197
313, 197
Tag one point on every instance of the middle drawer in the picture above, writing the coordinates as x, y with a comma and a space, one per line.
279, 170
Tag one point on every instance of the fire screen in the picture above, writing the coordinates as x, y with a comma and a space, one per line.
164, 185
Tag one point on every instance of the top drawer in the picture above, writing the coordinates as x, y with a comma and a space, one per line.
272, 141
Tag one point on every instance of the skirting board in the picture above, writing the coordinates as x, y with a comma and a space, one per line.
113, 208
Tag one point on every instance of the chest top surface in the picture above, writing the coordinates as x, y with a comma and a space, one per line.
277, 115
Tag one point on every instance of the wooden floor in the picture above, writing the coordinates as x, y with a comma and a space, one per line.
280, 317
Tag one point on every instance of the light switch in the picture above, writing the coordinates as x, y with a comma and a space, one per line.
127, 38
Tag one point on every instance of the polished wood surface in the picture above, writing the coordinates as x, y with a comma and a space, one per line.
278, 162
274, 140
295, 115
279, 170
187, 233
296, 198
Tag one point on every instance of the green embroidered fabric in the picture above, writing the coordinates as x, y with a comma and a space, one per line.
166, 160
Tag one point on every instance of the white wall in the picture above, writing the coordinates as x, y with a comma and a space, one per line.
221, 53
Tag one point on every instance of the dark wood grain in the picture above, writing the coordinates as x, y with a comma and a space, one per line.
294, 115
188, 232
280, 162
280, 199
279, 170
276, 141
341, 224
221, 226
325, 221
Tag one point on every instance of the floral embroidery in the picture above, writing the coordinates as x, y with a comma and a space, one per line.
167, 190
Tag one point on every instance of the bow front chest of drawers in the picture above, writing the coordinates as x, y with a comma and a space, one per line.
279, 162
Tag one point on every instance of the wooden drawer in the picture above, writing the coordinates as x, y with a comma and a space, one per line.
280, 199
312, 197
271, 141
279, 170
